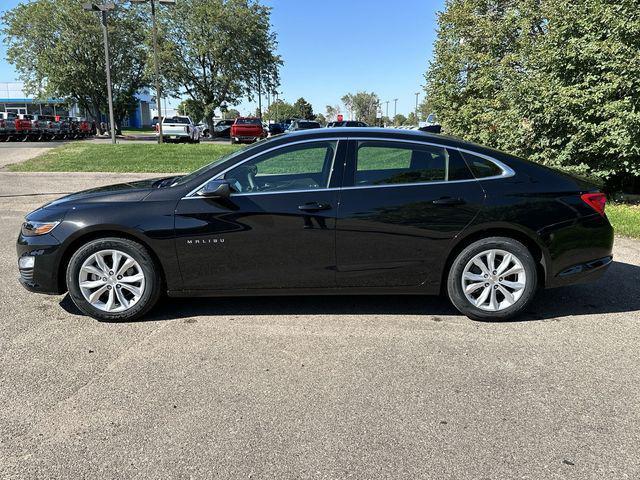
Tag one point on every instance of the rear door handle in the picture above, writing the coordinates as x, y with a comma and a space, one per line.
448, 201
314, 207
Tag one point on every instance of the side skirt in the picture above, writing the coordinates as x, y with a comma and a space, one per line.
258, 292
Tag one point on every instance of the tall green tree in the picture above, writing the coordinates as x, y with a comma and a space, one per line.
555, 81
192, 109
218, 51
279, 110
303, 109
57, 50
363, 105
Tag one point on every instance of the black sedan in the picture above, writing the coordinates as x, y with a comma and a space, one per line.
326, 211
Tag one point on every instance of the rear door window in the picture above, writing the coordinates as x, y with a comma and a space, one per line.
390, 163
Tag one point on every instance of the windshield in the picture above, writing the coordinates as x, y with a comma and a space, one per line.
187, 178
176, 120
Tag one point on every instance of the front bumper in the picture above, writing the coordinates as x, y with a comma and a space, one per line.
47, 253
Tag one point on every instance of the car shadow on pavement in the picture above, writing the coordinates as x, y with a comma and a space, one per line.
617, 291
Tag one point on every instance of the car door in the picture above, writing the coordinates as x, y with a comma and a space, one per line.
275, 231
402, 204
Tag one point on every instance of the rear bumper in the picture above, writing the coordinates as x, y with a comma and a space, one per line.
579, 252
583, 272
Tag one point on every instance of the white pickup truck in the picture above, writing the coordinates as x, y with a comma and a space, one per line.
179, 129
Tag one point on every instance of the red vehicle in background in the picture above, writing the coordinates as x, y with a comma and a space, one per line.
247, 130
23, 127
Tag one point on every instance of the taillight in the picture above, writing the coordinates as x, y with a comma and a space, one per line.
597, 201
2, 124
157, 127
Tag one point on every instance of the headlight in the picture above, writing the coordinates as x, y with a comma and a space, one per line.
32, 229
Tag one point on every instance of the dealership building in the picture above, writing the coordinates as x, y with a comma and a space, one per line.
14, 99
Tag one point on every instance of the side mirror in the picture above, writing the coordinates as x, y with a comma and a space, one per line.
215, 189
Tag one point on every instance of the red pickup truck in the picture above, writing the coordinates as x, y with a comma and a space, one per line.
247, 129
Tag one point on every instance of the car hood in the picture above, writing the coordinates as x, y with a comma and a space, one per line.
121, 192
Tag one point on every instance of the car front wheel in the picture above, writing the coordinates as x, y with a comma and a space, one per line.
492, 279
113, 279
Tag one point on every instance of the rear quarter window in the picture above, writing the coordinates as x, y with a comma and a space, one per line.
481, 167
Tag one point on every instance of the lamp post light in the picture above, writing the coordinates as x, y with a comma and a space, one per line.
155, 58
103, 9
417, 94
395, 109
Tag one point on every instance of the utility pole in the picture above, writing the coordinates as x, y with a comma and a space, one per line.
387, 110
154, 29
103, 9
417, 93
395, 108
259, 95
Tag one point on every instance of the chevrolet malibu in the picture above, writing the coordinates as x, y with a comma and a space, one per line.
326, 211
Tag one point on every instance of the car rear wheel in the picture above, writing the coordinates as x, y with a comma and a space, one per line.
492, 279
113, 279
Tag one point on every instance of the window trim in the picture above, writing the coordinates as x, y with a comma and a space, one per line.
220, 175
506, 170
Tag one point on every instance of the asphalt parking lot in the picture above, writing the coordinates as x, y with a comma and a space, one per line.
321, 387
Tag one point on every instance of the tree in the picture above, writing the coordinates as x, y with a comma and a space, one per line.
332, 112
279, 110
364, 106
231, 113
303, 109
191, 108
399, 119
219, 51
411, 119
57, 50
320, 119
551, 80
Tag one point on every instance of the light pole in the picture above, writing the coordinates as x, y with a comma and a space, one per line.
103, 9
387, 110
154, 29
395, 109
417, 93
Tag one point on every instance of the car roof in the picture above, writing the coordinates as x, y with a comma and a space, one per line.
377, 132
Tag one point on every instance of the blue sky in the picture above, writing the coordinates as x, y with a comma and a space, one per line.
332, 47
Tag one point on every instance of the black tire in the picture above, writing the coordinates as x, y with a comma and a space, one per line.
153, 280
454, 280
233, 141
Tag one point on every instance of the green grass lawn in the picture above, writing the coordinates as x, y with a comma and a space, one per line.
138, 131
625, 219
127, 157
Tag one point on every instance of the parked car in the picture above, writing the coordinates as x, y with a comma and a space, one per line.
204, 130
275, 129
7, 125
33, 132
222, 128
179, 128
347, 123
410, 213
65, 128
23, 127
302, 125
48, 126
247, 130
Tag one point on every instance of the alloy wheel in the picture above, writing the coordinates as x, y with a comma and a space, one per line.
111, 280
494, 280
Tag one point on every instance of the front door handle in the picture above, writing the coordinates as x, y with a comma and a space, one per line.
448, 201
313, 207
